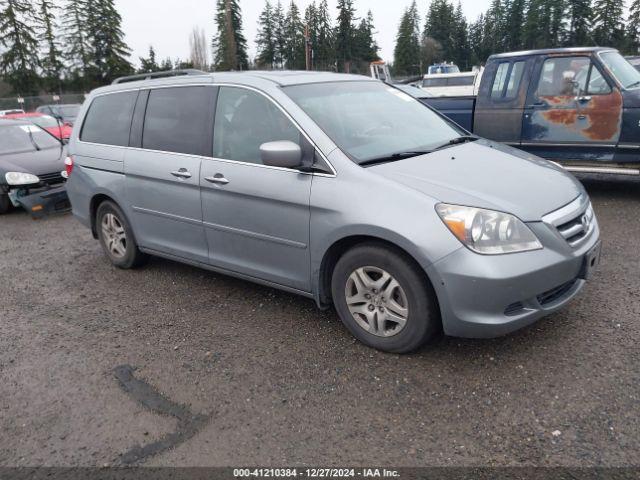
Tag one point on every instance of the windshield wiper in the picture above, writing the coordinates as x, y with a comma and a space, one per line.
33, 141
393, 157
457, 141
634, 84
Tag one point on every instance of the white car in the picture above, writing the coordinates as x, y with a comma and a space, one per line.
452, 84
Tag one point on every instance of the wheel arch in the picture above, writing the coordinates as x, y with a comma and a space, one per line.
94, 204
340, 246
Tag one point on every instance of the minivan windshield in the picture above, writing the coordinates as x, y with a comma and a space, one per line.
370, 120
625, 73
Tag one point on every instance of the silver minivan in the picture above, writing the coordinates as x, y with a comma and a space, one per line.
336, 187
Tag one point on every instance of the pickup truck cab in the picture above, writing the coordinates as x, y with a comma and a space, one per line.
576, 106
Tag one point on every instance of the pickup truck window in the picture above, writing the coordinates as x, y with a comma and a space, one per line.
500, 80
563, 76
597, 83
624, 72
507, 75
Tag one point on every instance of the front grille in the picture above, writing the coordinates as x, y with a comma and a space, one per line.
578, 227
51, 178
556, 293
574, 222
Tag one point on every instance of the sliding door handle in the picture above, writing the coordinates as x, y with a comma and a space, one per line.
182, 173
218, 178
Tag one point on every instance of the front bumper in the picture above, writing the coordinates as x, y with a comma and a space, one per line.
484, 296
42, 202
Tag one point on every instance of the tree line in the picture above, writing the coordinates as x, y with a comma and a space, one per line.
76, 45
511, 25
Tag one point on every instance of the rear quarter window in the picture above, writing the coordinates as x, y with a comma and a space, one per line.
108, 121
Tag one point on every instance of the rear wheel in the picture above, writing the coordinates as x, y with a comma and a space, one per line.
5, 203
116, 237
384, 299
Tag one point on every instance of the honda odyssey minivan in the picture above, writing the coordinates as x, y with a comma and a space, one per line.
336, 187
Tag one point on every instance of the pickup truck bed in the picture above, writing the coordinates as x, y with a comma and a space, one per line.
458, 109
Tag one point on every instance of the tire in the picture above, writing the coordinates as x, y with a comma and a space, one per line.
116, 237
5, 203
373, 314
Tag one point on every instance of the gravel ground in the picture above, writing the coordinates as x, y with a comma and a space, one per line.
172, 365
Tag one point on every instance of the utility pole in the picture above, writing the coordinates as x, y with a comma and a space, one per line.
307, 48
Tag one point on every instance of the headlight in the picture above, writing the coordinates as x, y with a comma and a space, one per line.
21, 178
486, 231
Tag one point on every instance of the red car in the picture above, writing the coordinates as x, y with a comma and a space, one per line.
62, 131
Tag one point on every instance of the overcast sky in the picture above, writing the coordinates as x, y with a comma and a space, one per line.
166, 24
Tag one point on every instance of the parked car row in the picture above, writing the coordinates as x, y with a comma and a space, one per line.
336, 187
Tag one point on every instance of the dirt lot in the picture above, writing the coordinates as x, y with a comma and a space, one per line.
171, 365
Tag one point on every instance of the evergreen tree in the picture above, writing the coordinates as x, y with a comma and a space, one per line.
494, 36
608, 23
149, 64
108, 53
633, 28
406, 55
166, 65
266, 39
461, 52
366, 48
279, 35
345, 35
440, 25
513, 24
229, 44
477, 42
579, 23
51, 60
325, 55
76, 41
19, 59
294, 33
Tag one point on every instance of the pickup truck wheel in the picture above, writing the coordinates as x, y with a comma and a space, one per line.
116, 237
5, 203
384, 299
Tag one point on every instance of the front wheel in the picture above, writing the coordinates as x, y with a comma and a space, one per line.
116, 237
384, 299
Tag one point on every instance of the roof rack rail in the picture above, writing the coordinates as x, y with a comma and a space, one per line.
151, 76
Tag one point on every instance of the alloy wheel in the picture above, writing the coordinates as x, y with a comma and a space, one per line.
114, 235
376, 301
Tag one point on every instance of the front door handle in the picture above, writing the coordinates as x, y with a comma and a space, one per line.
217, 178
182, 173
584, 99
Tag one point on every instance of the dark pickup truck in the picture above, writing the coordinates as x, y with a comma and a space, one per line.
576, 106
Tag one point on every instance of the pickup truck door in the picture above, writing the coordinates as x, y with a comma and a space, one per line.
572, 112
500, 100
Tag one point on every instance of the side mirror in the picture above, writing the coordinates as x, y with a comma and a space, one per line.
282, 153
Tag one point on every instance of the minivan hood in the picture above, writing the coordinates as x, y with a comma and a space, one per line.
488, 175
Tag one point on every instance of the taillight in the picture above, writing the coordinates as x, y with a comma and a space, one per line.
68, 165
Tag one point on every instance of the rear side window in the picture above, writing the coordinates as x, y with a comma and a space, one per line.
500, 80
109, 119
506, 83
179, 120
515, 77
